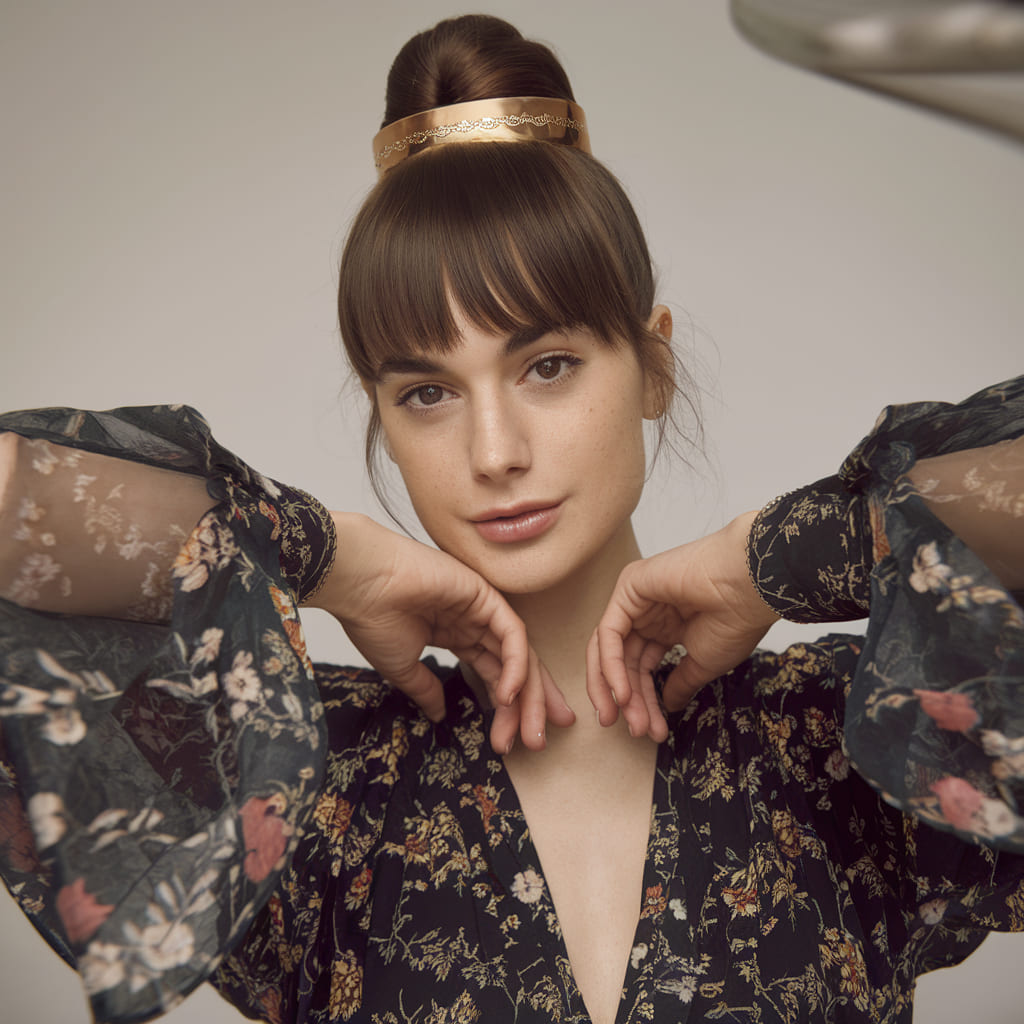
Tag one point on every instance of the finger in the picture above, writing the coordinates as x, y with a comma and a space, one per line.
684, 682
423, 688
657, 728
532, 706
505, 728
514, 652
598, 690
635, 712
652, 656
555, 705
614, 626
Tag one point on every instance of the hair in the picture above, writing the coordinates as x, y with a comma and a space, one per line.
516, 234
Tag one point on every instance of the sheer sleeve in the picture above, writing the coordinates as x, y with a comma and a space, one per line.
162, 734
923, 530
82, 533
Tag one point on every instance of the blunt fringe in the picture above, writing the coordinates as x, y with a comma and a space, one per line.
515, 235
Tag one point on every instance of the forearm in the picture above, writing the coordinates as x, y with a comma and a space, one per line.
88, 533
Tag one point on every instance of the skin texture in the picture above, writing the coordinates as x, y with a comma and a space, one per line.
569, 616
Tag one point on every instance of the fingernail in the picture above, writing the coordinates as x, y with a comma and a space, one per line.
598, 713
511, 744
614, 698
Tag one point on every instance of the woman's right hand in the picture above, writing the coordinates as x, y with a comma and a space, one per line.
394, 596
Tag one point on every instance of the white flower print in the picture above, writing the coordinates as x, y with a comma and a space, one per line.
163, 946
64, 726
209, 547
638, 953
208, 647
930, 573
101, 966
46, 813
527, 886
678, 909
37, 569
242, 682
995, 818
933, 911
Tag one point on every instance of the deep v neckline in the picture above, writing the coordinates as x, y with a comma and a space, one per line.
518, 842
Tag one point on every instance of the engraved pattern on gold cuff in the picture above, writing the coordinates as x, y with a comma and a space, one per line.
510, 119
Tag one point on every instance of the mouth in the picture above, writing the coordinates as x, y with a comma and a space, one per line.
518, 523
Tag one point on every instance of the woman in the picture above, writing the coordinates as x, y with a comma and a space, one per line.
486, 417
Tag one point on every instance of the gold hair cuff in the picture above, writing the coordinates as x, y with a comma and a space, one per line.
511, 119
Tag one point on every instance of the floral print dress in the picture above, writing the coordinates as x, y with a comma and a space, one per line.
183, 796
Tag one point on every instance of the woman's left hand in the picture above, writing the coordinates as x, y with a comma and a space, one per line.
699, 595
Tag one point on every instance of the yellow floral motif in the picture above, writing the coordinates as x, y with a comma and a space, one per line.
346, 985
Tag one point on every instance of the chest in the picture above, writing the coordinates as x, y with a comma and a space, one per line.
590, 828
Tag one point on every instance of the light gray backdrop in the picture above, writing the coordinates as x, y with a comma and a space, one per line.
177, 182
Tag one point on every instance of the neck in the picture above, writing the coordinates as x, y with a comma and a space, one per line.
560, 620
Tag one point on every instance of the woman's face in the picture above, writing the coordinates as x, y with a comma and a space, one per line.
523, 455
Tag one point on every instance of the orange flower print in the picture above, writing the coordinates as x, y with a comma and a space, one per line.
269, 512
654, 902
297, 638
265, 834
346, 986
741, 900
80, 911
283, 604
359, 889
485, 800
953, 711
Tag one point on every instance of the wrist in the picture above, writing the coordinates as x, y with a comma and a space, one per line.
759, 611
351, 536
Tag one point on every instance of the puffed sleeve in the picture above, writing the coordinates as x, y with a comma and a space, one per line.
922, 530
162, 735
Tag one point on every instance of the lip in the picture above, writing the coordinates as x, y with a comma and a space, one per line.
518, 523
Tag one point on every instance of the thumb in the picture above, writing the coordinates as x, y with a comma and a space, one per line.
685, 681
423, 688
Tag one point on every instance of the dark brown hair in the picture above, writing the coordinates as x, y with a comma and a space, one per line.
516, 234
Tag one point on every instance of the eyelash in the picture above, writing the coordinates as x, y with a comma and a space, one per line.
569, 361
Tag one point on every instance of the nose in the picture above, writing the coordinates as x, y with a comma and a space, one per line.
499, 442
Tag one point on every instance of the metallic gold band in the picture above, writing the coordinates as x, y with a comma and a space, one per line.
510, 119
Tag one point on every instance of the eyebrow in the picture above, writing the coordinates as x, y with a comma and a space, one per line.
421, 365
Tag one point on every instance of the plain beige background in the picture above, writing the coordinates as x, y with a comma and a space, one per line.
177, 181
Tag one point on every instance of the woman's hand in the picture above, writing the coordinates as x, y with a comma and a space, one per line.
699, 595
395, 596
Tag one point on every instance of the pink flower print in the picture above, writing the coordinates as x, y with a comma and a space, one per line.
80, 911
265, 834
953, 711
959, 801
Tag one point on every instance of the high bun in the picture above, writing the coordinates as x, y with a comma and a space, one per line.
475, 57
515, 235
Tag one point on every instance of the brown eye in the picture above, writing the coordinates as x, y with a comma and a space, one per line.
549, 368
429, 395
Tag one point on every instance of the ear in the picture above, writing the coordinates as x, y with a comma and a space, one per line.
659, 385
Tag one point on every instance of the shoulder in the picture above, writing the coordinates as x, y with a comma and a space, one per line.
364, 712
785, 708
